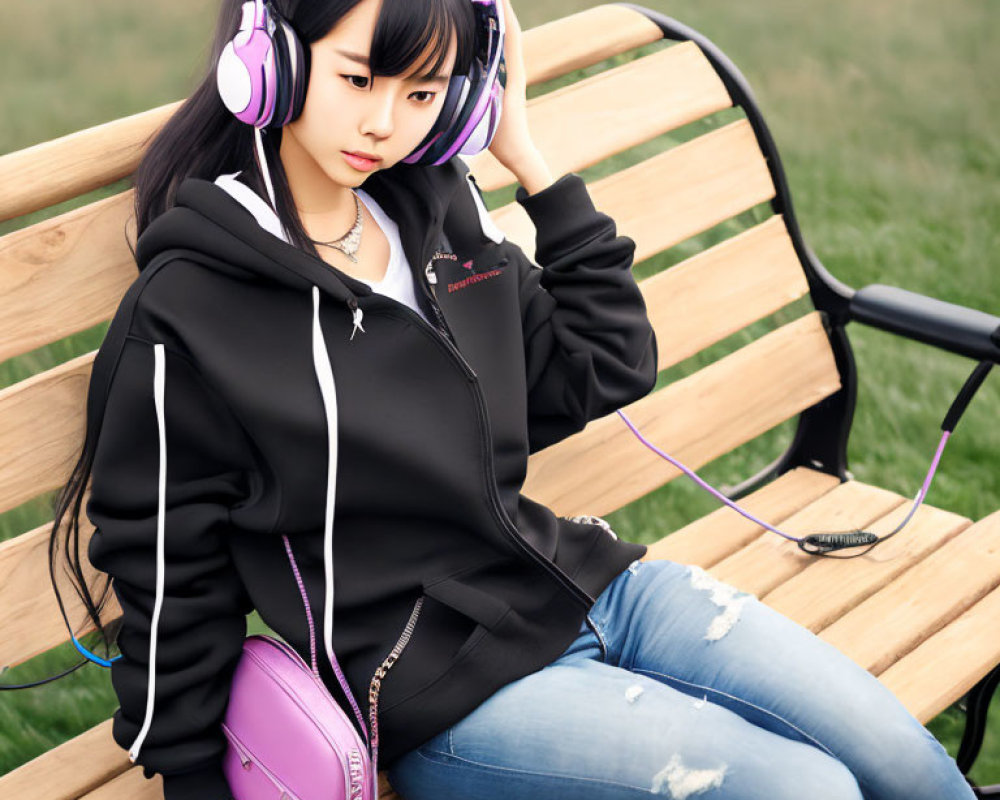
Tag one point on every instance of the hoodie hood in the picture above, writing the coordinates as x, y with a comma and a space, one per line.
214, 229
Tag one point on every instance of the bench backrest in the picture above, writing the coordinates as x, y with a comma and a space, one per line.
676, 163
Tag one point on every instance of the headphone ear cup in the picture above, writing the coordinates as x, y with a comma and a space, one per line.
233, 81
473, 88
482, 135
283, 75
440, 134
299, 77
245, 72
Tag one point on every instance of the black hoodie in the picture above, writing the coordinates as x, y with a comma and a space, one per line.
293, 400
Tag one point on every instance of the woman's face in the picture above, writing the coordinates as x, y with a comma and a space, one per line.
346, 110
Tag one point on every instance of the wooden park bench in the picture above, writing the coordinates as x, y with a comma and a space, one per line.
920, 612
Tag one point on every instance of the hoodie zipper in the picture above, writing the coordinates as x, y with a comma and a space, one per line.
499, 512
376, 682
432, 280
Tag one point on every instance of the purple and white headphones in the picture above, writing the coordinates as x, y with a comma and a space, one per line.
262, 79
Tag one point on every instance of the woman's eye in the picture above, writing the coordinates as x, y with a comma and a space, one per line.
428, 99
349, 77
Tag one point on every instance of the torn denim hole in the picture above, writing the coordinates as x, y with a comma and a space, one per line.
633, 691
682, 782
730, 599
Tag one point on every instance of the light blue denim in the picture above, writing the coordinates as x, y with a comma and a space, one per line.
680, 686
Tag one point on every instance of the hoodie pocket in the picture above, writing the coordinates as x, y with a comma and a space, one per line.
484, 608
469, 614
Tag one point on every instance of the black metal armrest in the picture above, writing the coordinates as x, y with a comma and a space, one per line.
951, 327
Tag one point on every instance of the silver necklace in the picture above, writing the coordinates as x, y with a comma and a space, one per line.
348, 243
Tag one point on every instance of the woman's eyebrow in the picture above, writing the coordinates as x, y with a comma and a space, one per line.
363, 60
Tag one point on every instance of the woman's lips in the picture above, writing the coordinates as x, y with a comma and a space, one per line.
359, 162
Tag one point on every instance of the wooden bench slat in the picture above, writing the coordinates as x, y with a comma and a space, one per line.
583, 39
42, 429
61, 169
920, 602
826, 588
771, 559
948, 664
28, 626
605, 466
672, 195
708, 540
723, 289
70, 770
91, 766
612, 108
64, 275
131, 784
928, 678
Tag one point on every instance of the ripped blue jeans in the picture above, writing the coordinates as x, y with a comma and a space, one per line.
681, 686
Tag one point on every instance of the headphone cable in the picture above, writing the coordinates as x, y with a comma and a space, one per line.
820, 544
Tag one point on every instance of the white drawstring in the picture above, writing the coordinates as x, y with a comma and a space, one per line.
159, 386
262, 161
324, 374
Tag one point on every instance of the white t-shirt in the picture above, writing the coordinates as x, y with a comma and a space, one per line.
398, 280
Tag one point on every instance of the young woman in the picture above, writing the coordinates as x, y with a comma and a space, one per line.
269, 379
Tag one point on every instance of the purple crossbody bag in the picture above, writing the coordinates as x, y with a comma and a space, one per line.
288, 737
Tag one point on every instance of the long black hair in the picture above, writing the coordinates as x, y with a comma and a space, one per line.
202, 139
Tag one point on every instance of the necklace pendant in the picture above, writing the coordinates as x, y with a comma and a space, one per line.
348, 244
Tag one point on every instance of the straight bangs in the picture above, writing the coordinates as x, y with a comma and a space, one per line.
406, 30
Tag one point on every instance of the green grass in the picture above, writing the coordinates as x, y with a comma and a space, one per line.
886, 122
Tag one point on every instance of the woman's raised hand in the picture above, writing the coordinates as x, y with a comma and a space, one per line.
512, 141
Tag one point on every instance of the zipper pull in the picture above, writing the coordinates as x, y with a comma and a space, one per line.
357, 313
429, 272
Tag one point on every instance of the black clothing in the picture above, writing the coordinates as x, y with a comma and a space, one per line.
430, 426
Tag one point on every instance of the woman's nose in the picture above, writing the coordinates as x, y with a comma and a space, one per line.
379, 111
